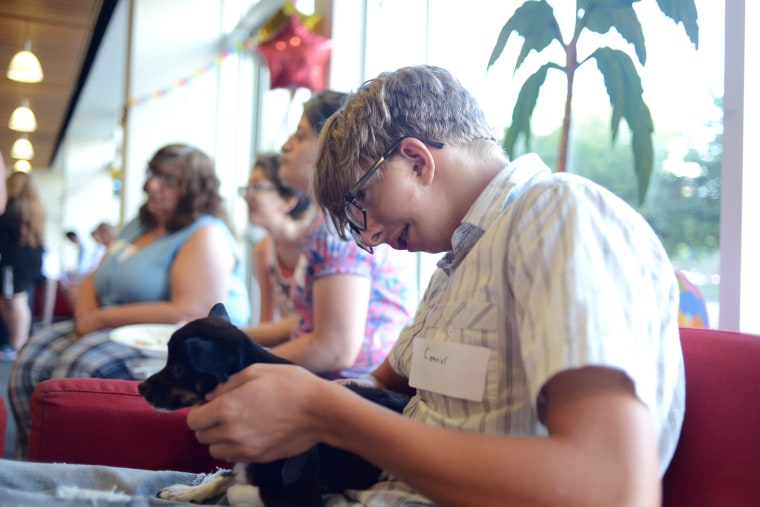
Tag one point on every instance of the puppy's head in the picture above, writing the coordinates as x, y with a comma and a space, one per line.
201, 354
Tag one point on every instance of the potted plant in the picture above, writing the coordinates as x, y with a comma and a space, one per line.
534, 20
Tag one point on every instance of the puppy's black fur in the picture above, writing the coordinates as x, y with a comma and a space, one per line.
207, 351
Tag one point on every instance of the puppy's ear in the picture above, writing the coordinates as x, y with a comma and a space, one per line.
219, 311
204, 356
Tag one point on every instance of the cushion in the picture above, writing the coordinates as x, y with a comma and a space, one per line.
107, 422
717, 462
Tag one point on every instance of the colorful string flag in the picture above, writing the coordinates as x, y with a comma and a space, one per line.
246, 45
295, 55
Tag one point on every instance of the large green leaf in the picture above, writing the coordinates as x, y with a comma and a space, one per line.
683, 11
535, 22
643, 157
523, 110
602, 15
625, 91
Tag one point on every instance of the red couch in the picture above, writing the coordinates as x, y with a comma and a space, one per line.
107, 422
717, 462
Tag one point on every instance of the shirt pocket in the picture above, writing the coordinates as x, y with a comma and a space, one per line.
466, 322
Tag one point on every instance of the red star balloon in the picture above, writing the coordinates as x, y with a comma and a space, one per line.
296, 56
277, 21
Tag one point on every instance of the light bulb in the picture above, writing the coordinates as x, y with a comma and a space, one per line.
23, 119
22, 165
25, 67
22, 148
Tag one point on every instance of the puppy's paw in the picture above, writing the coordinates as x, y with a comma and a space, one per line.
244, 495
183, 493
213, 485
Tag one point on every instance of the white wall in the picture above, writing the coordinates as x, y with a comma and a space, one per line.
149, 47
78, 188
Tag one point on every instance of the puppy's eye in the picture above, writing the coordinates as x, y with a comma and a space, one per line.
176, 370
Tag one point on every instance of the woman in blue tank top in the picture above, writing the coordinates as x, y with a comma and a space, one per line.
170, 264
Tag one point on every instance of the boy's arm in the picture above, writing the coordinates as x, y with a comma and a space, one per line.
385, 377
601, 448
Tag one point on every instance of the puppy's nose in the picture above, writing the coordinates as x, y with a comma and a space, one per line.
144, 388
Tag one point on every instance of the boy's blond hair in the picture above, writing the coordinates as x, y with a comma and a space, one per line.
421, 101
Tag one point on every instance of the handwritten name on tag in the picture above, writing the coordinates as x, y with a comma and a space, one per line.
451, 369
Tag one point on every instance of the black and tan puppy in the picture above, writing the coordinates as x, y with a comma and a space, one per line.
207, 351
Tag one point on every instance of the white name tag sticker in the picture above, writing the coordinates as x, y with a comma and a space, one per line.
451, 369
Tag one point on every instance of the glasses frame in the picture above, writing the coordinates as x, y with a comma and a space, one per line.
351, 202
257, 187
165, 179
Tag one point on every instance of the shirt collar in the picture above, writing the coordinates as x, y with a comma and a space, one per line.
503, 189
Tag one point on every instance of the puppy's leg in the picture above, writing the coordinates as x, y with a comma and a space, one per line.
244, 495
213, 485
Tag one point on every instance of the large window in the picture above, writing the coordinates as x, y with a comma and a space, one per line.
683, 88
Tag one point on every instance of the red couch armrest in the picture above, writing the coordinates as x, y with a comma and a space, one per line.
717, 462
107, 422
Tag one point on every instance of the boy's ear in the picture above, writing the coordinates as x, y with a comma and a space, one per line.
421, 158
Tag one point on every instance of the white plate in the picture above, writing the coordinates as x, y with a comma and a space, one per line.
150, 339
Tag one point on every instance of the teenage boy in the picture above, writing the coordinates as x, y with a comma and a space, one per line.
544, 360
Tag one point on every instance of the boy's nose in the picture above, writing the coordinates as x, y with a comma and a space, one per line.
373, 235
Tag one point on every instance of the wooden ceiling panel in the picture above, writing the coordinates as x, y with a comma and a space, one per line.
60, 32
78, 13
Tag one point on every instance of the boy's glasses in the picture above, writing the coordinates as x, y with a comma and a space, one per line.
354, 210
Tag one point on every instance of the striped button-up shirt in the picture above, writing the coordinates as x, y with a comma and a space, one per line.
547, 272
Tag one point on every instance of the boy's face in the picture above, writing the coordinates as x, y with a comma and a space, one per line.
400, 203
299, 154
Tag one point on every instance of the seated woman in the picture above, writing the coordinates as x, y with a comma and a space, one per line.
285, 214
171, 264
351, 305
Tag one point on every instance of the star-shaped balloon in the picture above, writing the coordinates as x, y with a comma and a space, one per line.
296, 56
276, 22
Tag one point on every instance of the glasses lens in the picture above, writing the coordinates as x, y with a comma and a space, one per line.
263, 187
165, 179
357, 235
355, 213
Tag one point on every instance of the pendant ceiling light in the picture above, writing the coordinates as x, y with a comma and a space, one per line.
22, 149
25, 67
23, 119
22, 165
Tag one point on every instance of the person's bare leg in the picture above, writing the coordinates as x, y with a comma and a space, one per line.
6, 313
17, 317
49, 293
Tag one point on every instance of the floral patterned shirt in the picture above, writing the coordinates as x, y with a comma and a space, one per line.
393, 296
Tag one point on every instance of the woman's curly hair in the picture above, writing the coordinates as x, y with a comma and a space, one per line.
195, 175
